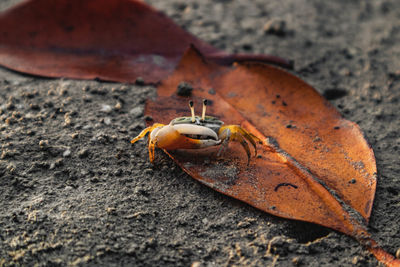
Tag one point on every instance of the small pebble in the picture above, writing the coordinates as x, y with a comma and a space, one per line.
195, 264
63, 92
10, 121
136, 112
118, 106
132, 248
111, 210
59, 162
10, 106
106, 108
139, 81
398, 253
87, 98
43, 143
184, 89
67, 119
296, 261
4, 154
275, 26
16, 115
34, 107
118, 172
11, 168
107, 121
67, 153
356, 260
52, 166
30, 94
83, 153
74, 135
122, 89
10, 103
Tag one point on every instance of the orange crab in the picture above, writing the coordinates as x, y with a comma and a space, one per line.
196, 132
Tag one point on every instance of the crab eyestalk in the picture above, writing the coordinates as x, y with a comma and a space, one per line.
203, 115
192, 110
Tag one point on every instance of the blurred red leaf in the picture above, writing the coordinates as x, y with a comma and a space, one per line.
116, 40
314, 165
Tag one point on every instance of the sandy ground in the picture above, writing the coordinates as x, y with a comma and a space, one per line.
73, 191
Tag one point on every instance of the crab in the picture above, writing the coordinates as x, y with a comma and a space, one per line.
195, 133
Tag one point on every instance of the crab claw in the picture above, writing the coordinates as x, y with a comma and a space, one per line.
185, 137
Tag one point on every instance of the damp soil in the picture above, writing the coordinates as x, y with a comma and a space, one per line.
74, 191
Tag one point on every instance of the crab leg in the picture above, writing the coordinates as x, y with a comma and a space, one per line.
236, 133
250, 137
238, 137
224, 135
145, 131
152, 147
